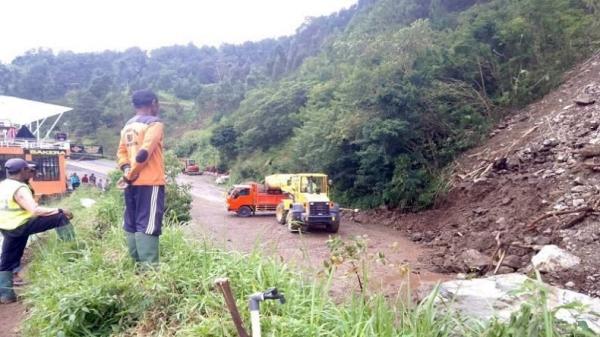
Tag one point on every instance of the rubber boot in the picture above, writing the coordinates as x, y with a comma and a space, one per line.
66, 232
131, 246
7, 293
147, 248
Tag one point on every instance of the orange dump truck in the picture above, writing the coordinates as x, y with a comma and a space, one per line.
249, 198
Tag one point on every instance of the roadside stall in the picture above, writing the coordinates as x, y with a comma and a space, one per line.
25, 132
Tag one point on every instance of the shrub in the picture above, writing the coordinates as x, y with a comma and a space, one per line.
92, 288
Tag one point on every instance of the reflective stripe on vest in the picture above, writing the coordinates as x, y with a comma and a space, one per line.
12, 215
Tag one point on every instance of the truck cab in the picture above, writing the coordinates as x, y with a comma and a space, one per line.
247, 199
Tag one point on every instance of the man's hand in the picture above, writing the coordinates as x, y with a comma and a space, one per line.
127, 177
68, 213
122, 183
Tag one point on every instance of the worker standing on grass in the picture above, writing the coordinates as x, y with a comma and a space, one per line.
20, 217
140, 158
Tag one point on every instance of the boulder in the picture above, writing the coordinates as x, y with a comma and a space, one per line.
472, 259
551, 258
502, 295
512, 261
505, 270
584, 99
550, 142
416, 236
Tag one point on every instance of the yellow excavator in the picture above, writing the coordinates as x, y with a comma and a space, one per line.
308, 204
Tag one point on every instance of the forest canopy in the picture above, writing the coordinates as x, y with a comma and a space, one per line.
381, 96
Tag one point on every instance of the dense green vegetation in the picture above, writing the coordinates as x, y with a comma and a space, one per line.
195, 83
92, 288
408, 85
381, 96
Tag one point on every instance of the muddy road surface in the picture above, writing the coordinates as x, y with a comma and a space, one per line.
392, 258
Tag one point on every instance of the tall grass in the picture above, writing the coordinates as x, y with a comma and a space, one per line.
91, 288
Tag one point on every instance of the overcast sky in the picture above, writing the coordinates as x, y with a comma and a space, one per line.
84, 25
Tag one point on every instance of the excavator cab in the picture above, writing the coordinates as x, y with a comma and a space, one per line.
313, 184
308, 204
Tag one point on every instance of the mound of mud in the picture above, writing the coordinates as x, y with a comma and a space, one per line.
534, 182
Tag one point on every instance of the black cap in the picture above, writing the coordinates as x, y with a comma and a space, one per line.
14, 165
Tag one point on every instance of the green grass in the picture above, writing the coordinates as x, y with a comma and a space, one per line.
91, 288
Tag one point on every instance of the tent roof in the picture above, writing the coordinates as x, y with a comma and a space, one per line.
23, 111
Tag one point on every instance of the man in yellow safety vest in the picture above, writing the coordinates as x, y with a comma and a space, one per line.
20, 217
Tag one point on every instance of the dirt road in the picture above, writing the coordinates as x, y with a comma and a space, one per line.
309, 250
10, 319
306, 251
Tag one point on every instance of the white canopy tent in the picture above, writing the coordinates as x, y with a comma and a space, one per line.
26, 112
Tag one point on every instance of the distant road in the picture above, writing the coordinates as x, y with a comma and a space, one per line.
100, 167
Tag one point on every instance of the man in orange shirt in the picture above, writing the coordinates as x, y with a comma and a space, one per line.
140, 158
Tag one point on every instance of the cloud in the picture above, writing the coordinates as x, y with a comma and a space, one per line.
117, 25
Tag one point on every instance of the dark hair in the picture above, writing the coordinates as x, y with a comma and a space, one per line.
143, 98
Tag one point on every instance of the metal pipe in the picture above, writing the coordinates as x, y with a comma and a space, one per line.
53, 125
254, 306
255, 320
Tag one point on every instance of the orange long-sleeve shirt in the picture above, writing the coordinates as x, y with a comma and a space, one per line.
141, 147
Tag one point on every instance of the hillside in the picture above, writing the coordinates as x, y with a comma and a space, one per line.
533, 182
408, 85
381, 96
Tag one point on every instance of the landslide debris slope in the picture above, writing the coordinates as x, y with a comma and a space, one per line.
534, 182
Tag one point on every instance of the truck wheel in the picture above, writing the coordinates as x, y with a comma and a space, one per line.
280, 214
244, 211
334, 226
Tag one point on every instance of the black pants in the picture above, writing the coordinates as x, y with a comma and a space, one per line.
15, 240
144, 208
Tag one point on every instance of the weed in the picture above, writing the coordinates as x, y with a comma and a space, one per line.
93, 289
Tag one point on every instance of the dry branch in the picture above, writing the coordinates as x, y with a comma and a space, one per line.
579, 218
585, 209
502, 256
